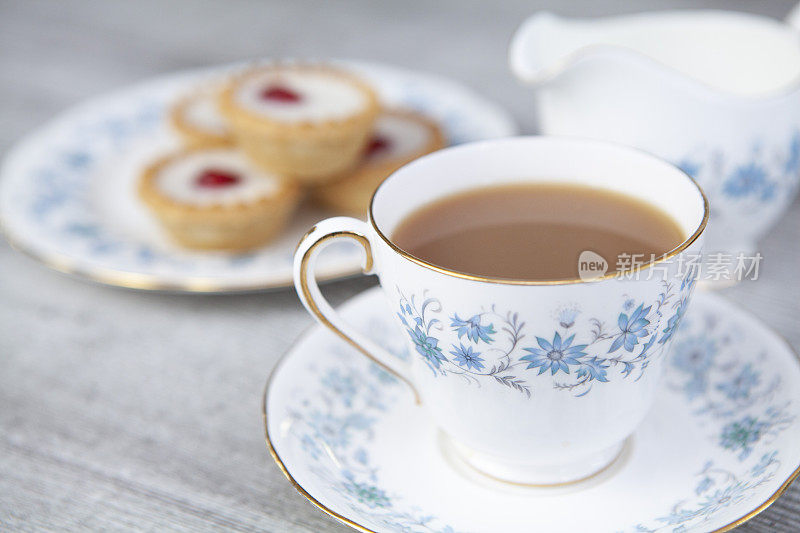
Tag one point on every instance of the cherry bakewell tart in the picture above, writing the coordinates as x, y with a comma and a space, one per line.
197, 119
398, 138
308, 123
211, 198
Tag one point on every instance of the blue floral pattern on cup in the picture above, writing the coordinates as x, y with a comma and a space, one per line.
496, 346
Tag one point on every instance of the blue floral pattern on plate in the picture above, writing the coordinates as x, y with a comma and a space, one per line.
61, 196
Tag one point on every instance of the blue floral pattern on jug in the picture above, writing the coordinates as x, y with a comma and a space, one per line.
765, 178
495, 346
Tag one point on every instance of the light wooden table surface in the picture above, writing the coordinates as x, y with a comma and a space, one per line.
121, 410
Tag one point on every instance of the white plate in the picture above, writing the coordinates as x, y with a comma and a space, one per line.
719, 445
67, 195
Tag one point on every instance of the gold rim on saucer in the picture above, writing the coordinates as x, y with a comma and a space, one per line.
321, 506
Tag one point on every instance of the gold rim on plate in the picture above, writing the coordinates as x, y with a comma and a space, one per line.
151, 283
358, 527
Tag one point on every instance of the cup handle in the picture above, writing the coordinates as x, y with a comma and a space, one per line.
305, 282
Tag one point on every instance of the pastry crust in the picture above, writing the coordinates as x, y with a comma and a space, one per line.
301, 151
236, 227
190, 132
352, 193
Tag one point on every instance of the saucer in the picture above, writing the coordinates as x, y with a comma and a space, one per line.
68, 196
717, 448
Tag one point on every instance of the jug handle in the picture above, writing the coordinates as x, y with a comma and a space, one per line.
522, 53
793, 17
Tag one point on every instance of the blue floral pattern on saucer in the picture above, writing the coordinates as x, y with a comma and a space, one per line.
720, 442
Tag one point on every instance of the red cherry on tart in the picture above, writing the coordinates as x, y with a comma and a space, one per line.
279, 93
399, 137
304, 122
208, 197
214, 179
377, 144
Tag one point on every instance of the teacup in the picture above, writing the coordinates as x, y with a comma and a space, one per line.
568, 368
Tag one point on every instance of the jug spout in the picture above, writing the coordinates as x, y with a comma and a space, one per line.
548, 47
722, 51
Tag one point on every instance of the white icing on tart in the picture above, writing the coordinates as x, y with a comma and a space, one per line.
397, 136
200, 111
214, 177
313, 95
